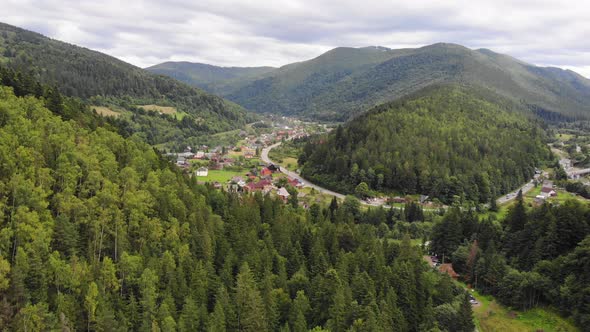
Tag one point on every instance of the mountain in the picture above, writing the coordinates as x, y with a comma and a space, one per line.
345, 82
445, 141
211, 78
85, 73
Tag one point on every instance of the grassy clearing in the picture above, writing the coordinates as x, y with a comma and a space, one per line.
105, 111
156, 108
564, 137
285, 156
491, 316
221, 176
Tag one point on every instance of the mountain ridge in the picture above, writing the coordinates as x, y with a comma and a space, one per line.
346, 81
85, 73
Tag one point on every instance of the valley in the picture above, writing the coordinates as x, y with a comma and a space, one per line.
424, 189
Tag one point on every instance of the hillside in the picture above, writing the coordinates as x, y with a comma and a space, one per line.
210, 78
99, 233
447, 142
83, 73
344, 82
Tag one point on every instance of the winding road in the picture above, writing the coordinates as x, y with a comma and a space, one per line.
266, 159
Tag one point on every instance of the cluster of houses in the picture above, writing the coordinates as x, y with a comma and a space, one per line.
215, 156
262, 180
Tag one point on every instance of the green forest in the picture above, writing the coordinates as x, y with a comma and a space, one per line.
449, 142
99, 233
107, 81
344, 82
533, 257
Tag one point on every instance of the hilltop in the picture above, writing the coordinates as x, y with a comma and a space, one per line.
345, 82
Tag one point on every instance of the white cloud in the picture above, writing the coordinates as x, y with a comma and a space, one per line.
264, 32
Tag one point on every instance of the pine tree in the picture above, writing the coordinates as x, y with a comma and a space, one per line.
465, 316
250, 307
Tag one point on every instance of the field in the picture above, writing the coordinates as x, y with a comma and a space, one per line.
161, 109
491, 316
286, 156
105, 111
221, 176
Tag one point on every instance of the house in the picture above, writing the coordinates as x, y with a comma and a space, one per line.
265, 172
548, 192
295, 183
248, 155
180, 161
237, 179
448, 269
200, 155
398, 199
423, 199
273, 168
283, 194
547, 189
202, 171
262, 185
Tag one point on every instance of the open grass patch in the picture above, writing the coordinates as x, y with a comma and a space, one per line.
161, 109
491, 316
105, 111
221, 176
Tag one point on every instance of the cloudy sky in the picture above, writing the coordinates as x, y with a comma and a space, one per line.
260, 32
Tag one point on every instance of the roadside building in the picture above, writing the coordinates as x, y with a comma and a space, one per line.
202, 171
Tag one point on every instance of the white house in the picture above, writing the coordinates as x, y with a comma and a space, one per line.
202, 171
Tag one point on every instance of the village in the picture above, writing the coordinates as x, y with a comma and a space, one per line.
239, 168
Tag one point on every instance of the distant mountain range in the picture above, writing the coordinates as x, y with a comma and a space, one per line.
344, 82
84, 73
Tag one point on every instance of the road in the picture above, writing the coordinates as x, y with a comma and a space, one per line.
525, 189
264, 158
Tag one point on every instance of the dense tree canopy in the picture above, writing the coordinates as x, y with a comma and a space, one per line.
532, 257
445, 142
98, 232
84, 73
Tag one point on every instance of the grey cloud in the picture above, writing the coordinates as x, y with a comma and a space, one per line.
248, 33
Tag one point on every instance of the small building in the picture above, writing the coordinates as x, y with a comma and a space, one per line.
548, 192
295, 183
265, 172
180, 161
283, 193
398, 199
423, 198
262, 185
200, 155
202, 171
274, 168
448, 269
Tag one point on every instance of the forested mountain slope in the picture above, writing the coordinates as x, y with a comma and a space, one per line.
80, 72
347, 81
444, 141
99, 233
210, 78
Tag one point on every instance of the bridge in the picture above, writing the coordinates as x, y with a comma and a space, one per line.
576, 174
